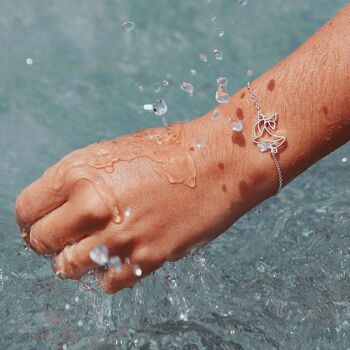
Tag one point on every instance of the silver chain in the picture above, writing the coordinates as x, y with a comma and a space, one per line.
279, 172
253, 96
260, 128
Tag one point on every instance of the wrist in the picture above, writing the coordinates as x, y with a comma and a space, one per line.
230, 162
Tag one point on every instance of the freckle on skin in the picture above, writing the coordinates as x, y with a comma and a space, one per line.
239, 113
221, 166
191, 148
271, 85
243, 187
325, 110
224, 188
238, 139
243, 95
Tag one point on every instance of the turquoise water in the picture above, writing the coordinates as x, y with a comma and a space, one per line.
278, 279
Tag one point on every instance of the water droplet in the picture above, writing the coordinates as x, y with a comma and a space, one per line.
99, 255
220, 33
137, 270
67, 306
80, 323
218, 54
221, 94
127, 212
223, 81
263, 146
237, 126
187, 87
29, 61
173, 284
222, 97
257, 296
165, 82
115, 263
232, 332
243, 2
157, 87
249, 72
184, 316
260, 267
76, 299
215, 115
128, 27
193, 71
199, 144
344, 160
212, 17
118, 218
141, 88
203, 57
159, 107
64, 347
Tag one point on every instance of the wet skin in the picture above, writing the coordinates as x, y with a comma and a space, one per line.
157, 174
181, 195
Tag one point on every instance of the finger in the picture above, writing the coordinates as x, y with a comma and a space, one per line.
143, 261
35, 201
81, 216
74, 260
113, 280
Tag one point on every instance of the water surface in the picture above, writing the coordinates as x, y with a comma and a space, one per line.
278, 279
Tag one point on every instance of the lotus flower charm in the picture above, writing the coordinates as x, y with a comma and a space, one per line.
265, 127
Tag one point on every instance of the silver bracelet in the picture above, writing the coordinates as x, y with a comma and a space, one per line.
264, 137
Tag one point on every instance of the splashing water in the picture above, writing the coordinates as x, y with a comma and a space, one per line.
202, 57
220, 33
127, 27
99, 255
300, 301
137, 270
115, 263
221, 94
187, 87
215, 115
212, 17
237, 126
159, 108
218, 55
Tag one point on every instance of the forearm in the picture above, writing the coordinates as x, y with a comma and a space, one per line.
310, 91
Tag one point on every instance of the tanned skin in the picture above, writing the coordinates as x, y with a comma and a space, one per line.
189, 195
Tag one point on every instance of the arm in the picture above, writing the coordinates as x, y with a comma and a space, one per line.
151, 196
310, 90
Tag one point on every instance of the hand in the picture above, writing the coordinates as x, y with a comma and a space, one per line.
148, 197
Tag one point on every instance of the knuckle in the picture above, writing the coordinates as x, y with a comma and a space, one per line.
38, 245
94, 209
142, 255
69, 261
149, 256
66, 264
